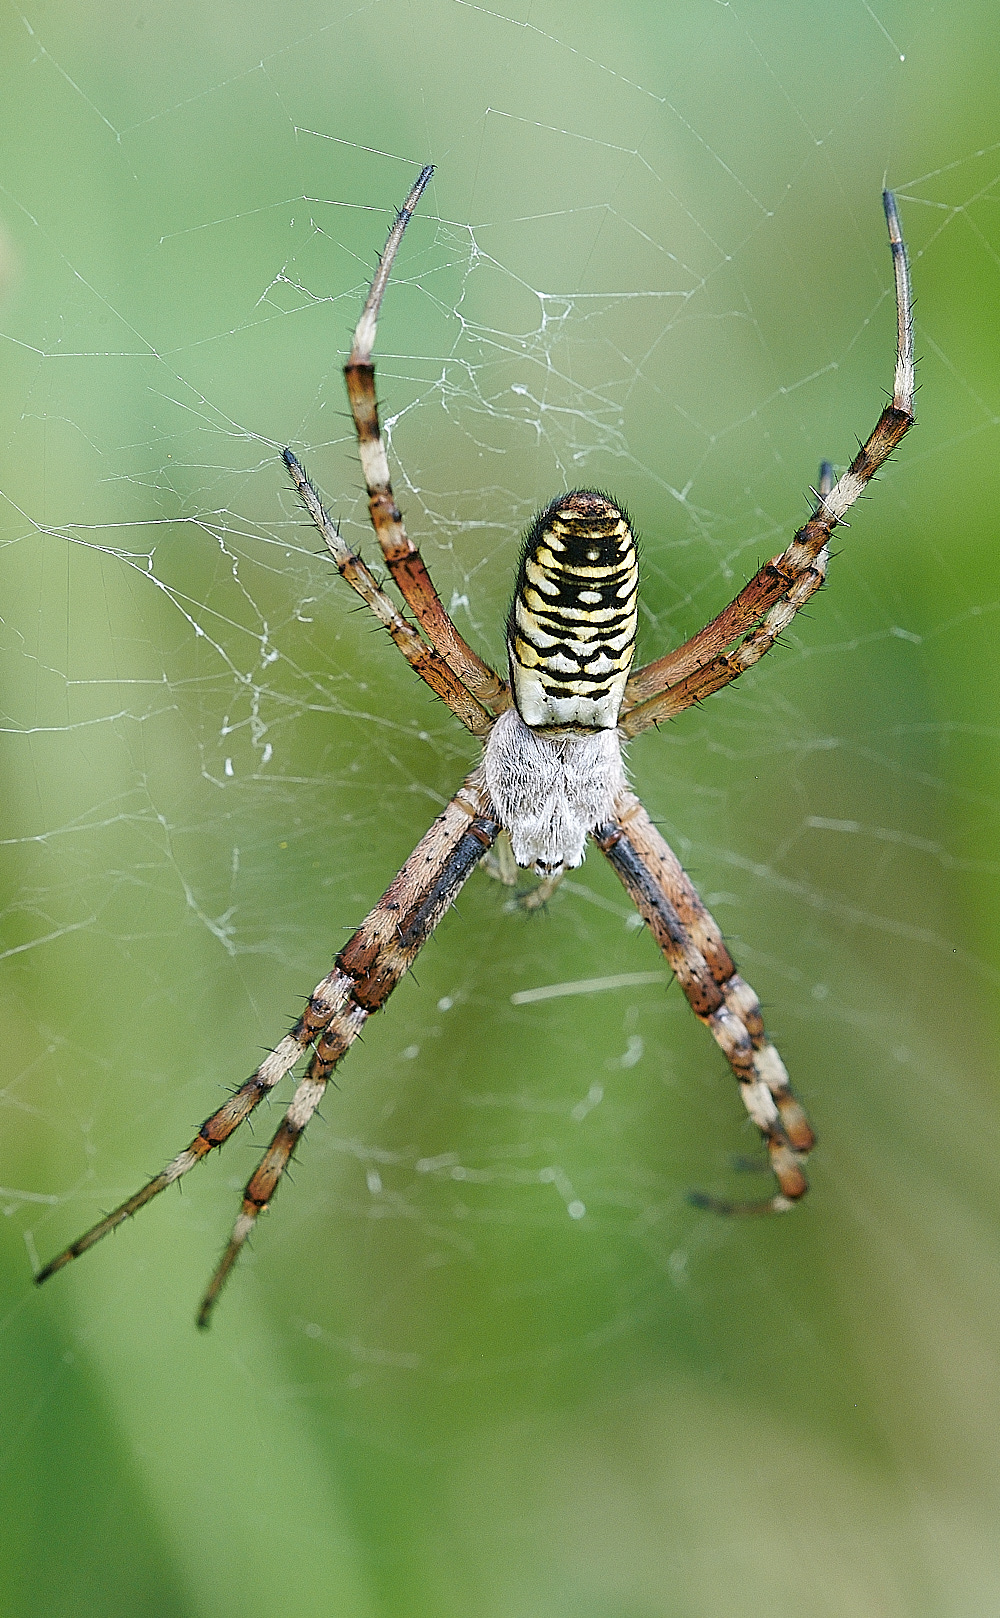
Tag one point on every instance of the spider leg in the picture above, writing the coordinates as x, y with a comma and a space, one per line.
380, 953
766, 605
364, 974
722, 670
405, 562
694, 948
728, 666
426, 660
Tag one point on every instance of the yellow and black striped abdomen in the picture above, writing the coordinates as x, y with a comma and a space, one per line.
572, 624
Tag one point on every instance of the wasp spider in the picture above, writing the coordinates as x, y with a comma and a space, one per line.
551, 775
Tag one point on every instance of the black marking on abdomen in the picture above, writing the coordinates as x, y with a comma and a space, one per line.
572, 624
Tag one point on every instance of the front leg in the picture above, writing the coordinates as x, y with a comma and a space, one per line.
764, 607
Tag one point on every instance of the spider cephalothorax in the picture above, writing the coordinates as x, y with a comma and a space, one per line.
552, 772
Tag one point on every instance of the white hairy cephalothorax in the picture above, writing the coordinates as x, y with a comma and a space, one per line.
550, 790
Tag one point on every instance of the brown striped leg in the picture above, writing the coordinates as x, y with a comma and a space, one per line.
424, 888
325, 999
427, 662
381, 951
729, 666
405, 562
719, 997
768, 603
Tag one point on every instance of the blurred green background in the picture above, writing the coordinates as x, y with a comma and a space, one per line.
652, 259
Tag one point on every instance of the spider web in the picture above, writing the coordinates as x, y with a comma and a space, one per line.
651, 261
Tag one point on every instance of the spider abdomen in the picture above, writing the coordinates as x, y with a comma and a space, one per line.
572, 624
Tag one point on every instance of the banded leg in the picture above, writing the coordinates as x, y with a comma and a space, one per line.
374, 960
728, 666
665, 687
427, 662
701, 683
696, 953
412, 905
405, 562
